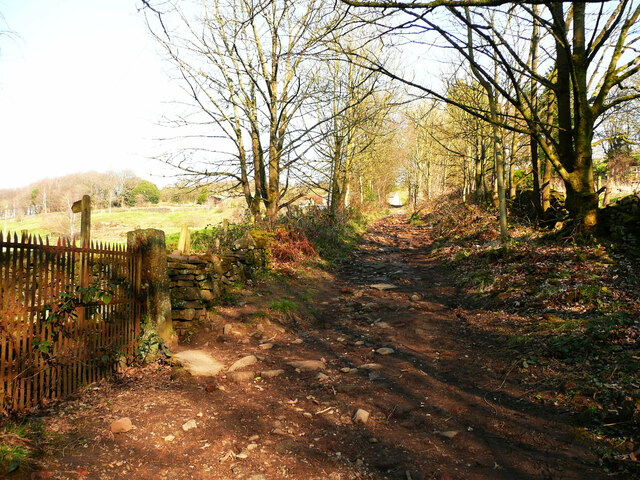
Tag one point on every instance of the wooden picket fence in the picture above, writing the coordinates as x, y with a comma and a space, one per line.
46, 354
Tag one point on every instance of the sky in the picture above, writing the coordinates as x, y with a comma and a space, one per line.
82, 87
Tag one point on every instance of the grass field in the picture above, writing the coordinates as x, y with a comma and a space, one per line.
113, 227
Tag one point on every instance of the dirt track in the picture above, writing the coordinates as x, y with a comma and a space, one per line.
444, 405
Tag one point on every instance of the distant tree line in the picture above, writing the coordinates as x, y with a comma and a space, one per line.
107, 190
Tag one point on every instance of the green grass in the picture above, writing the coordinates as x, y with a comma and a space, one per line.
13, 457
203, 240
284, 305
113, 227
17, 443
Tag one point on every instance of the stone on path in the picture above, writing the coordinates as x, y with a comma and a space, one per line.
243, 362
189, 425
227, 329
449, 433
245, 376
385, 351
122, 425
361, 416
199, 362
265, 346
370, 366
383, 286
307, 365
271, 373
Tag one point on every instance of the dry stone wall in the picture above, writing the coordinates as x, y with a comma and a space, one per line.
198, 281
621, 220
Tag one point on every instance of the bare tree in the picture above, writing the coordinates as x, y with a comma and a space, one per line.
441, 151
359, 101
590, 49
249, 68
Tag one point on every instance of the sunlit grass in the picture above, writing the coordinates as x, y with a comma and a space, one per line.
112, 227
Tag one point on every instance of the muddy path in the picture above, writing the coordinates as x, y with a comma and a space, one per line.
443, 401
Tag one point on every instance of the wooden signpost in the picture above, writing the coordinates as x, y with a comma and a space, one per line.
84, 208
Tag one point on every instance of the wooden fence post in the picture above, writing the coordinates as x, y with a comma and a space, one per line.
152, 249
184, 244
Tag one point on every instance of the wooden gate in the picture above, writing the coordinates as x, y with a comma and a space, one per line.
69, 316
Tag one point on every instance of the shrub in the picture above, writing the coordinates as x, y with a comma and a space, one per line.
205, 240
332, 236
147, 190
291, 246
203, 196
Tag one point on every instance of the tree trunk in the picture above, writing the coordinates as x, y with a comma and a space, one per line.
582, 204
498, 150
575, 132
582, 200
478, 178
502, 202
465, 181
533, 143
535, 166
259, 174
483, 170
273, 191
545, 189
339, 180
338, 198
512, 183
607, 194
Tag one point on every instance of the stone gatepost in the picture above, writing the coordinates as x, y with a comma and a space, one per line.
155, 279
